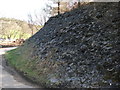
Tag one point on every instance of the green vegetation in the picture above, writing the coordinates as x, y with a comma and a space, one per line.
29, 68
19, 62
16, 29
15, 34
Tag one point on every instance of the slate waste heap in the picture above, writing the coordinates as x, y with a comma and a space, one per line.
80, 48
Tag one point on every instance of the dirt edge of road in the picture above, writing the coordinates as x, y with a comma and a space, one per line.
18, 76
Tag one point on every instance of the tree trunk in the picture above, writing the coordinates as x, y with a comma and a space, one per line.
58, 7
78, 3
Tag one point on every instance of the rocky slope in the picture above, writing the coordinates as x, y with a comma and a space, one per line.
77, 49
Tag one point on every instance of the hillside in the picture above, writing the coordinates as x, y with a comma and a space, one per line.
76, 49
15, 29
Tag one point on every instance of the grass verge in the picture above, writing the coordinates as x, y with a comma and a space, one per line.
26, 67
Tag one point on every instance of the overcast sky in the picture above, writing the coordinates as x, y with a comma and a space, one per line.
19, 9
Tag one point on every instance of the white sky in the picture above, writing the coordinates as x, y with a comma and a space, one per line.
19, 9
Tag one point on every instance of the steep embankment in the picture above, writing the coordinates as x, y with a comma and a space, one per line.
76, 49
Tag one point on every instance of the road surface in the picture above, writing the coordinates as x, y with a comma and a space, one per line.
10, 80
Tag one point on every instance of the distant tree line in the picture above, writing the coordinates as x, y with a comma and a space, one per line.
63, 6
53, 7
16, 29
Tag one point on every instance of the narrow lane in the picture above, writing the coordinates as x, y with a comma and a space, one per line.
8, 80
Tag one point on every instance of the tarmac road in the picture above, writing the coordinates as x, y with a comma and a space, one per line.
8, 77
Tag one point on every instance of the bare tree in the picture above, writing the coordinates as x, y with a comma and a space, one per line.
60, 7
40, 18
30, 23
36, 21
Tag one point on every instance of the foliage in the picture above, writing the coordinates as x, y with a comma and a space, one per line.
16, 29
26, 66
